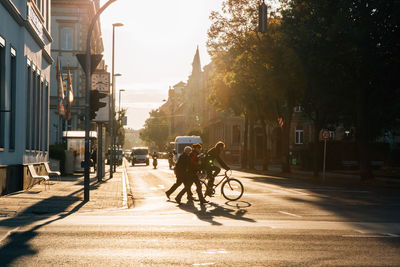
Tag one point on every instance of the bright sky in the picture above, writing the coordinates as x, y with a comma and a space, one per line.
154, 49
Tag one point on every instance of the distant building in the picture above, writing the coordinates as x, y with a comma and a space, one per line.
70, 23
25, 64
189, 110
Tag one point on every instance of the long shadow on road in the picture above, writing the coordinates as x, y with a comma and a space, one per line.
216, 211
354, 203
49, 210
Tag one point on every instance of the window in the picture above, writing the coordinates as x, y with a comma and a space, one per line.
34, 104
332, 135
37, 112
299, 137
298, 109
45, 127
13, 88
236, 135
28, 107
40, 117
2, 90
66, 39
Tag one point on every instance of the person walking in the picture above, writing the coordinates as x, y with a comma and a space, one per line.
181, 171
93, 157
212, 155
194, 167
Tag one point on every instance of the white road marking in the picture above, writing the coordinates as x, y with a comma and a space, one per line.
8, 234
295, 191
154, 188
221, 251
160, 186
372, 236
290, 214
392, 235
338, 190
167, 171
186, 219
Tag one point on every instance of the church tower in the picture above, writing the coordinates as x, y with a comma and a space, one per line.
196, 63
193, 93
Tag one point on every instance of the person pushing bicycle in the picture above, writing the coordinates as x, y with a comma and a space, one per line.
212, 156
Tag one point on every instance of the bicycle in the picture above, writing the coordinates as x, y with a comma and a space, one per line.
232, 189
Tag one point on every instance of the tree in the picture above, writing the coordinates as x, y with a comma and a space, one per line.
119, 127
310, 31
132, 139
155, 129
256, 76
350, 51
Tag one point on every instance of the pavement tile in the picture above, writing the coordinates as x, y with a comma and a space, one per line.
65, 195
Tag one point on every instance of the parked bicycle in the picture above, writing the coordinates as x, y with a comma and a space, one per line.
231, 188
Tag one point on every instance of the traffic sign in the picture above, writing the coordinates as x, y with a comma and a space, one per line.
94, 61
326, 135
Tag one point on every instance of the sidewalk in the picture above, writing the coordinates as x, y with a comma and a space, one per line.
66, 196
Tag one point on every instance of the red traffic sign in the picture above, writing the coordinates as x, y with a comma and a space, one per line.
326, 135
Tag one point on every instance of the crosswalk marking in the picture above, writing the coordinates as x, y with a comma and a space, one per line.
290, 214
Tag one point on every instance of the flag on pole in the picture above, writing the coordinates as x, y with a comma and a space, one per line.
70, 95
60, 90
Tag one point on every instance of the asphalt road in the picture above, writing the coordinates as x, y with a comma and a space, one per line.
277, 222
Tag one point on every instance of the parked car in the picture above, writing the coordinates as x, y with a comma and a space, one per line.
140, 155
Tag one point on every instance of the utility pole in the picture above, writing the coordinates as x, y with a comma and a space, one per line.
112, 106
87, 99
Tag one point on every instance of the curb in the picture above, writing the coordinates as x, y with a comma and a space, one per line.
126, 186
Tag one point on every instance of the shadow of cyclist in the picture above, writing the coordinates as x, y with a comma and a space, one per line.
216, 211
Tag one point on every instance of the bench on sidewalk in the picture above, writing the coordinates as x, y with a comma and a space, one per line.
51, 173
39, 178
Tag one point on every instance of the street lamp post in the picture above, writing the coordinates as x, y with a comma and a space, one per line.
88, 73
112, 106
119, 108
113, 125
119, 112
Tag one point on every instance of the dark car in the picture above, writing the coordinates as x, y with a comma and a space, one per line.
140, 155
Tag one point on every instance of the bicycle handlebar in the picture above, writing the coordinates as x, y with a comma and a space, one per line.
226, 172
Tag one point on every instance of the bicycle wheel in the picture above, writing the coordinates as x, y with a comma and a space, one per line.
203, 188
232, 189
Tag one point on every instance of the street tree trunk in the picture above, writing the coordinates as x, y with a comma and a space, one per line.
285, 144
265, 144
252, 140
316, 150
245, 141
363, 136
363, 131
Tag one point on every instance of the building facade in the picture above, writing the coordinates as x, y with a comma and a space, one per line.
25, 63
190, 111
70, 22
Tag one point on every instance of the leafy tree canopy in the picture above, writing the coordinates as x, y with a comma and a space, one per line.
155, 129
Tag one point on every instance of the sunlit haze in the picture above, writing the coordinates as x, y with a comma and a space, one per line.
154, 48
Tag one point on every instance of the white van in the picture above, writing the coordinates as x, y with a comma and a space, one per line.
182, 141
